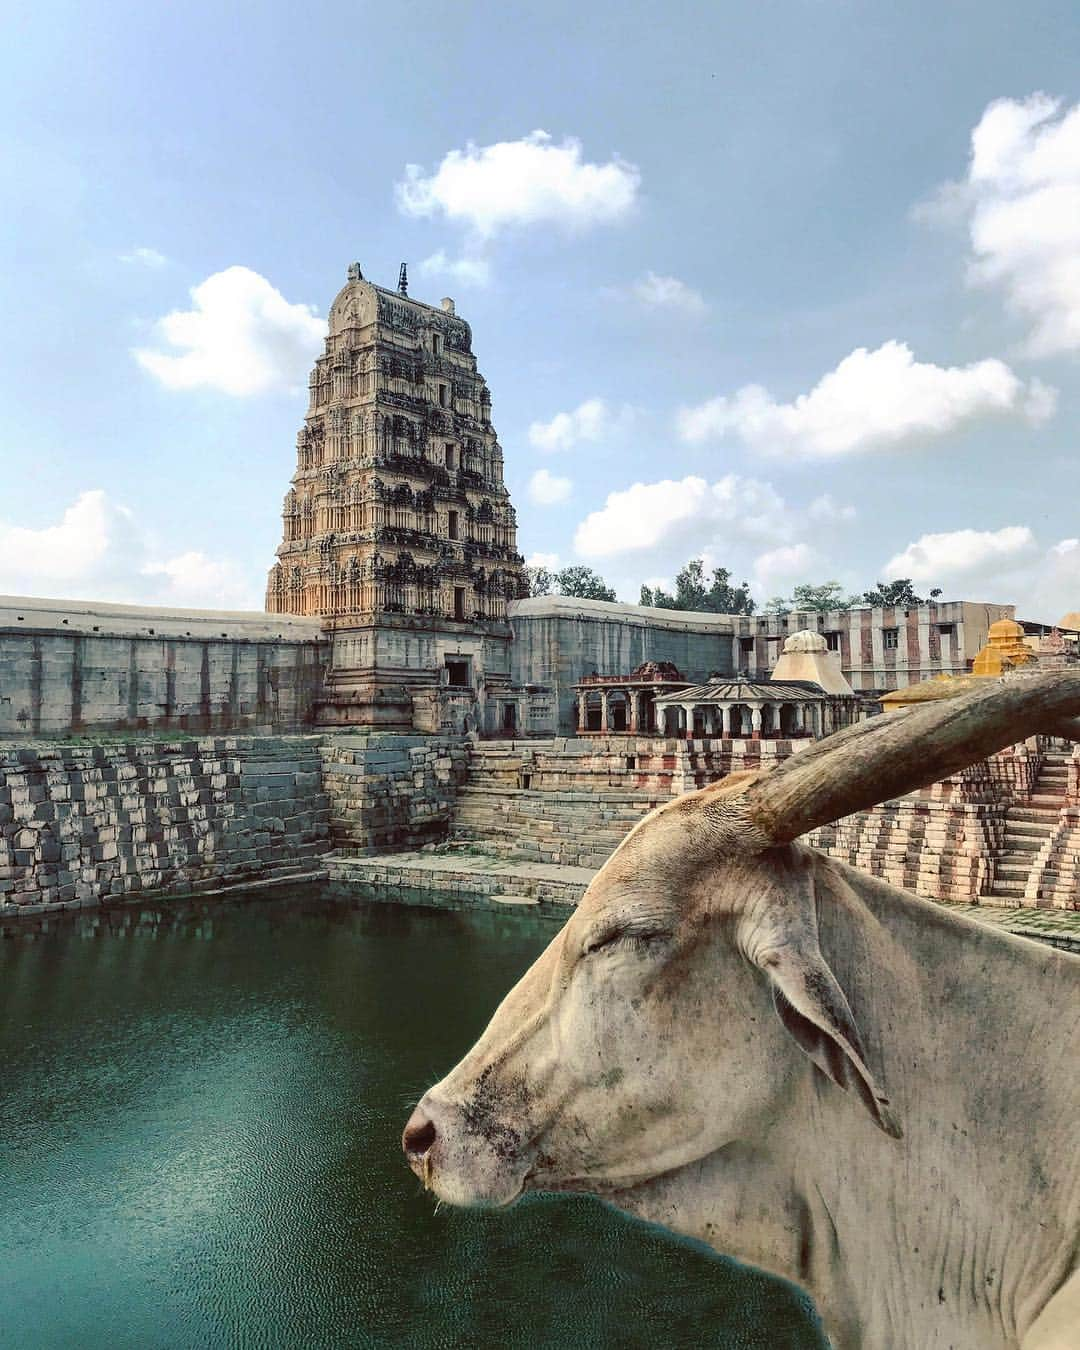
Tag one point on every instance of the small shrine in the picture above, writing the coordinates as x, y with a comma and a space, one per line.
625, 703
1006, 649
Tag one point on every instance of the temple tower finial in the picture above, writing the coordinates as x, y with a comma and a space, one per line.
403, 279
354, 273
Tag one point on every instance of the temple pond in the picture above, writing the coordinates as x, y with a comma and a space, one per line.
200, 1107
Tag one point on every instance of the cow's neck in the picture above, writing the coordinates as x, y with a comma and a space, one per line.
932, 1238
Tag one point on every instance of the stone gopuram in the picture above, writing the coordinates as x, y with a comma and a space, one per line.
398, 529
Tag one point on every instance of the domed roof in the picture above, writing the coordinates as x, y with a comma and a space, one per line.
806, 641
1070, 620
1005, 628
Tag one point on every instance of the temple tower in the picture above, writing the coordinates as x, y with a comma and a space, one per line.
398, 529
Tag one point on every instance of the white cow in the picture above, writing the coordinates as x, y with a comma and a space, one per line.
679, 1046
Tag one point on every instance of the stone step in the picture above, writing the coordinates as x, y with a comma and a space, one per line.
1008, 888
1006, 871
1035, 815
1036, 829
1023, 845
1047, 799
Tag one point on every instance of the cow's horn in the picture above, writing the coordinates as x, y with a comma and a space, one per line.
898, 752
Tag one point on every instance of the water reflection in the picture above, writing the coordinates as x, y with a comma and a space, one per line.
199, 1117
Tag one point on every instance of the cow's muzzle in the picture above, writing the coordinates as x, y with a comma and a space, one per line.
418, 1139
462, 1159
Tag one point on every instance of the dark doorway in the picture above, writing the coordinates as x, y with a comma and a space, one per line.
457, 674
459, 603
509, 718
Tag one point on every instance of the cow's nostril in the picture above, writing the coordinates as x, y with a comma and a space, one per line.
419, 1135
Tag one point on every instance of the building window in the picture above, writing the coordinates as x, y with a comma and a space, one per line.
442, 395
452, 524
832, 641
435, 343
457, 674
746, 644
449, 456
946, 629
891, 638
459, 603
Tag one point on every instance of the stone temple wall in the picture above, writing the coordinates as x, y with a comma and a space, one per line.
389, 791
558, 639
73, 667
80, 825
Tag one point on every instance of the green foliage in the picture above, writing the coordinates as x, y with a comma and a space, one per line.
695, 591
829, 595
898, 592
540, 580
583, 583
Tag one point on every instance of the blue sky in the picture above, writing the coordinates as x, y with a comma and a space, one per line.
792, 285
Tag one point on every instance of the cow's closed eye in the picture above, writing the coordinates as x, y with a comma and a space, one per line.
615, 938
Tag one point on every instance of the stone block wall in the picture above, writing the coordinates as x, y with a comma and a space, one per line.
1016, 768
939, 842
388, 791
571, 800
83, 824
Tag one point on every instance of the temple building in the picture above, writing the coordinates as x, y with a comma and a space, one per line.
806, 695
398, 532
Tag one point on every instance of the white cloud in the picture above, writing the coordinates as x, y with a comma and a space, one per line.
144, 257
660, 292
1021, 199
871, 400
1005, 566
779, 569
525, 182
961, 553
825, 510
99, 551
589, 421
685, 515
241, 336
545, 489
468, 270
548, 560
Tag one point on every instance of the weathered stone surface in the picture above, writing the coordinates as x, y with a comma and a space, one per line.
195, 828
75, 666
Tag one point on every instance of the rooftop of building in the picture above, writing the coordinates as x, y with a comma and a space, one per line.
26, 613
745, 691
566, 606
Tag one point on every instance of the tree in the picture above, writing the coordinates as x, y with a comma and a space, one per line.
715, 595
540, 580
899, 592
817, 599
583, 583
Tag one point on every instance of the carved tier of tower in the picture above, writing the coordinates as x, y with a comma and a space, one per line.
398, 504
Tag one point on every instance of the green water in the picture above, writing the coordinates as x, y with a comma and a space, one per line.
200, 1109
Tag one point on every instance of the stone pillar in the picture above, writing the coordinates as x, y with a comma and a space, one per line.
755, 723
688, 708
725, 720
632, 696
604, 711
796, 718
661, 719
582, 711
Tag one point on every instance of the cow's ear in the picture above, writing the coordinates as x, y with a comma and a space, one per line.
815, 1012
779, 934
